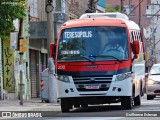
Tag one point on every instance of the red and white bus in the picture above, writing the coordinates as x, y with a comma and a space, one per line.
88, 71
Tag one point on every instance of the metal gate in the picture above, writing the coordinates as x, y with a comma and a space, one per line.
34, 73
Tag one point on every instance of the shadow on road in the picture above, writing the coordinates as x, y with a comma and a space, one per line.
98, 111
98, 108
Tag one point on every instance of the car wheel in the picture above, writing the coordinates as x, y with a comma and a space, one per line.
150, 97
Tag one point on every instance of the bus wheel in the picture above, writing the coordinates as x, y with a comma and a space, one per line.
65, 105
126, 102
137, 100
150, 97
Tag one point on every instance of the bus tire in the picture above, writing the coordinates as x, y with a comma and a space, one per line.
126, 102
150, 97
137, 100
65, 105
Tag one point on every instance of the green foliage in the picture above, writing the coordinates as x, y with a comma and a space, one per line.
109, 8
9, 11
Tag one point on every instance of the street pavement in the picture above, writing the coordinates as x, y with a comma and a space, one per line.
28, 105
53, 111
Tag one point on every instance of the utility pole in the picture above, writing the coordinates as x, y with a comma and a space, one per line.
22, 45
1, 80
139, 14
122, 5
135, 7
50, 39
21, 64
129, 4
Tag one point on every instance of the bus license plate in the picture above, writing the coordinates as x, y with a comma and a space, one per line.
92, 86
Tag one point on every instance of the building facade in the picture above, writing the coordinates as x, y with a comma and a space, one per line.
10, 67
63, 11
153, 30
76, 8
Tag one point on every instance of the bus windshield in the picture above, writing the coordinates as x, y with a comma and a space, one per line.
96, 43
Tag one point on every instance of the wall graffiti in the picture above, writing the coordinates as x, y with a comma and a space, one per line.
8, 63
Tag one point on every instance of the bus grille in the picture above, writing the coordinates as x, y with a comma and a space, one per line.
92, 83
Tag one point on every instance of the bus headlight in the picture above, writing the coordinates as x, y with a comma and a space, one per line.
150, 82
123, 76
63, 78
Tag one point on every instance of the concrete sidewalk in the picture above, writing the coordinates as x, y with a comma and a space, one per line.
28, 105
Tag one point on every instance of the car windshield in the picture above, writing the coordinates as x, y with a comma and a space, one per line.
92, 43
155, 70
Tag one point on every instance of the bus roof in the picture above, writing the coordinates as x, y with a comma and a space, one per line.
105, 15
101, 22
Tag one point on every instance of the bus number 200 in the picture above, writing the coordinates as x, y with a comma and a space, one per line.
61, 67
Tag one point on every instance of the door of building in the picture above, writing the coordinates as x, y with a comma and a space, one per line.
34, 73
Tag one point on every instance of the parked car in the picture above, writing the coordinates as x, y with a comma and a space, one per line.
153, 82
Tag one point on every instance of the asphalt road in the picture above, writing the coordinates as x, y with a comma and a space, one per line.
149, 109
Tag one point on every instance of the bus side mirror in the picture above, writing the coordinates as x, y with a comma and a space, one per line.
53, 51
136, 48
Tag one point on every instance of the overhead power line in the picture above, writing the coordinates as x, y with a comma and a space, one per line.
135, 7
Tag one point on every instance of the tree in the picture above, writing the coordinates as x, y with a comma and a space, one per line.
114, 9
9, 11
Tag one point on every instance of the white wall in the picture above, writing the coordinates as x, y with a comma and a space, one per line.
33, 8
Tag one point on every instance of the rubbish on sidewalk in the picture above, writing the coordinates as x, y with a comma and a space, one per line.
48, 80
44, 85
5, 94
52, 82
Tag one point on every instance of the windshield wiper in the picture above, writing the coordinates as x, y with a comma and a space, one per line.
85, 57
109, 56
82, 56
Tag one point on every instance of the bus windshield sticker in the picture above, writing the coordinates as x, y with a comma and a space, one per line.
80, 34
70, 52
